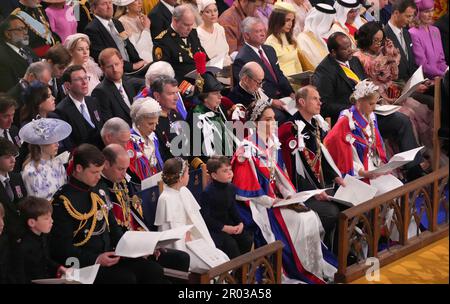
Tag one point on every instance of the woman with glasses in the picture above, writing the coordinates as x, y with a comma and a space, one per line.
78, 46
380, 59
43, 173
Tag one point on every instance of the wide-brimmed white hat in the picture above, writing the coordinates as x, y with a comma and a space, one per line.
45, 131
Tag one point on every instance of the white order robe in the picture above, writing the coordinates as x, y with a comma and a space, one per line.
305, 229
177, 208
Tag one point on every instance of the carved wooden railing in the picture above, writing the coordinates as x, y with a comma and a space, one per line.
262, 265
365, 226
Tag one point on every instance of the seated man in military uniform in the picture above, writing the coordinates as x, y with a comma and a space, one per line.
34, 16
85, 228
127, 207
178, 44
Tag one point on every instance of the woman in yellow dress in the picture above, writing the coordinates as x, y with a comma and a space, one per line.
280, 37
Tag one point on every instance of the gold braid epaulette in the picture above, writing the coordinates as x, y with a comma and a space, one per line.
83, 218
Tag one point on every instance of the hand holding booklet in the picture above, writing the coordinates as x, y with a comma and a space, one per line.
300, 197
354, 193
398, 160
411, 85
134, 244
84, 275
289, 105
385, 110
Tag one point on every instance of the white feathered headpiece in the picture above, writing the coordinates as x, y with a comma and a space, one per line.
364, 88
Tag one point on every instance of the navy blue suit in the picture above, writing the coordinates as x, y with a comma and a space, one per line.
272, 88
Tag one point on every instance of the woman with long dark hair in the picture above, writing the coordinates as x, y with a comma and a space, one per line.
39, 102
281, 38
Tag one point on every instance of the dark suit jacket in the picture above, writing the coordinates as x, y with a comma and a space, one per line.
271, 87
14, 227
23, 148
407, 66
111, 102
12, 66
161, 18
82, 132
101, 39
334, 86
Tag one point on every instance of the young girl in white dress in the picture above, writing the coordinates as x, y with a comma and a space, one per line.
178, 207
43, 174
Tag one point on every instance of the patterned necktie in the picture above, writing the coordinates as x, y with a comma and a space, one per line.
268, 65
118, 40
124, 96
85, 114
6, 134
25, 56
8, 189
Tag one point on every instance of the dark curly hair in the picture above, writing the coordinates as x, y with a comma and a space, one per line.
364, 36
172, 170
35, 94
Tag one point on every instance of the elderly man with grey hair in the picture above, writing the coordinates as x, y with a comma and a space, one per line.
274, 84
178, 44
37, 71
161, 68
116, 131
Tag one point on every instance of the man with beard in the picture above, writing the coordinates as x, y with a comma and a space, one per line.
34, 17
15, 55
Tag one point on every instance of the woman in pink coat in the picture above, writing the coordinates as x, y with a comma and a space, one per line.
427, 43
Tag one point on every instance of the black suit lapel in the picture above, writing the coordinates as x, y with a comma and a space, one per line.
165, 12
408, 43
73, 110
93, 112
14, 133
119, 97
17, 186
105, 33
258, 59
390, 34
341, 74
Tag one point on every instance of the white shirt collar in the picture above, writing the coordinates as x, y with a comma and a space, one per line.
2, 131
395, 29
118, 85
104, 22
15, 48
344, 63
4, 178
169, 7
77, 102
256, 50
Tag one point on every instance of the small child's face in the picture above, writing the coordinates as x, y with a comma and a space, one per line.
223, 175
43, 224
